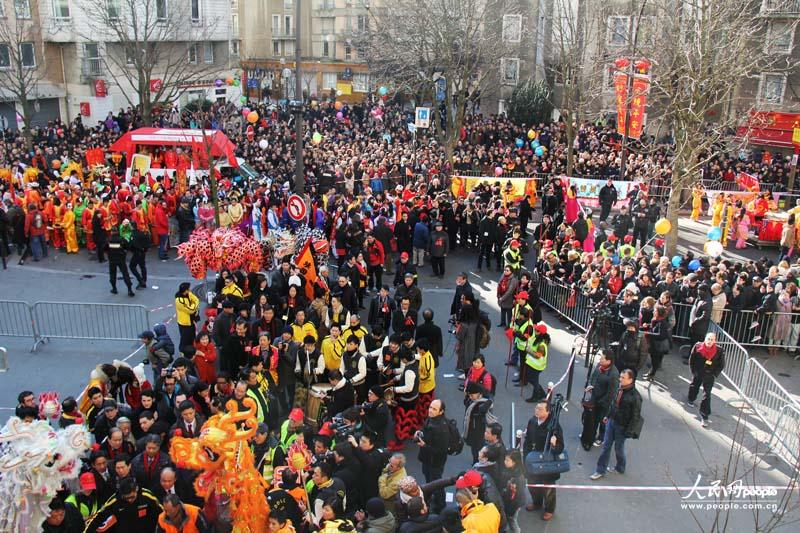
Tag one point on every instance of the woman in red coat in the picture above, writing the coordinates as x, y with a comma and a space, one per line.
205, 357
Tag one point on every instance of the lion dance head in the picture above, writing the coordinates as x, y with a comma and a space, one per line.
34, 461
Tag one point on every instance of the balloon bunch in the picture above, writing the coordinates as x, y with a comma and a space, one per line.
225, 248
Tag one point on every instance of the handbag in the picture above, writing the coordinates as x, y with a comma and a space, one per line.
546, 463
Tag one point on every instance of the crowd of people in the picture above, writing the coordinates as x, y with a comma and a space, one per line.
361, 394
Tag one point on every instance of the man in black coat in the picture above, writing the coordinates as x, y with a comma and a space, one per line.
433, 440
185, 219
432, 332
700, 314
372, 459
623, 421
707, 361
463, 288
622, 223
602, 385
536, 438
607, 197
487, 235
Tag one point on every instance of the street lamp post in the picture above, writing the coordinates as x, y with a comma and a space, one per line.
296, 106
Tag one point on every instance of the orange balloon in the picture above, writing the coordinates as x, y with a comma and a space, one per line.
252, 117
338, 106
56, 164
229, 81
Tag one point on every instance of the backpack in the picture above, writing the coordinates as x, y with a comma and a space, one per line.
38, 221
493, 379
455, 443
484, 326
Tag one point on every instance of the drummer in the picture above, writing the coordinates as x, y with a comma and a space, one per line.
388, 358
354, 367
307, 361
341, 396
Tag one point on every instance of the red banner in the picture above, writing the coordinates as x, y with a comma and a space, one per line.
748, 182
641, 86
156, 85
621, 91
86, 109
100, 89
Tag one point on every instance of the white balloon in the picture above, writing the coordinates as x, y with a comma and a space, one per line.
263, 144
714, 248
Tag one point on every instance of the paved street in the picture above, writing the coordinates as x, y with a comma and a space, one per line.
673, 450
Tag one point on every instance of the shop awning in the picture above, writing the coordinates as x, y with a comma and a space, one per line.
195, 140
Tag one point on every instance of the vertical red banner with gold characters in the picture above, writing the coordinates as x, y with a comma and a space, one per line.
641, 86
621, 91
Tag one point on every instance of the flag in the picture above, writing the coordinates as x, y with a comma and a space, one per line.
621, 92
748, 182
641, 86
305, 262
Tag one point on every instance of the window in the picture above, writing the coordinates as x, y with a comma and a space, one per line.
512, 28
771, 88
2, 9
91, 51
780, 37
509, 68
5, 56
195, 10
361, 83
61, 9
192, 54
130, 57
287, 4
288, 48
618, 30
22, 9
27, 55
328, 80
208, 52
234, 48
328, 4
501, 107
161, 10
235, 23
326, 49
287, 25
276, 24
361, 23
646, 33
113, 7
276, 48
348, 52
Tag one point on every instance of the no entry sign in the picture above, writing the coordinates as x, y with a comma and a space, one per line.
296, 207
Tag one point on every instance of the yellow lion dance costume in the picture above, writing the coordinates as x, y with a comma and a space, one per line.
222, 453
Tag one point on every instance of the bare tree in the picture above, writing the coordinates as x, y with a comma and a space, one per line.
704, 50
21, 64
151, 41
572, 67
412, 44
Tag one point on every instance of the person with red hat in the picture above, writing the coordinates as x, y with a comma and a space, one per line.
536, 350
404, 266
512, 256
85, 500
291, 427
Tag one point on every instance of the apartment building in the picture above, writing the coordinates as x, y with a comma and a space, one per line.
330, 62
84, 52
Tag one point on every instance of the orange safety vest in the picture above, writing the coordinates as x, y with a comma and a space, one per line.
191, 525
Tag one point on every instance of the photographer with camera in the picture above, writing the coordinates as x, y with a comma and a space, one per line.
376, 415
372, 459
433, 441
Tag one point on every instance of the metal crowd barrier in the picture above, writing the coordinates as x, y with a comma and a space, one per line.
16, 319
758, 329
66, 320
771, 402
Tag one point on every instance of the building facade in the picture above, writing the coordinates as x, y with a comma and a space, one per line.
331, 65
84, 50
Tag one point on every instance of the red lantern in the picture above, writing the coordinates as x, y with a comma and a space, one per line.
642, 66
621, 62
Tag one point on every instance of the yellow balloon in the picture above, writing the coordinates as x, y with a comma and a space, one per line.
531, 134
663, 226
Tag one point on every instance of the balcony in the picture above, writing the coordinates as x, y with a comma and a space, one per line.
91, 67
780, 8
282, 35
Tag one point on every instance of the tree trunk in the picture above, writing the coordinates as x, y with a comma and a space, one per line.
212, 180
674, 204
570, 139
27, 134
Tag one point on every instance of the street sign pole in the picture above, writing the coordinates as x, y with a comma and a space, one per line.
299, 173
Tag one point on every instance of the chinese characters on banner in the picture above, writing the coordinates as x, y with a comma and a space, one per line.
621, 91
641, 85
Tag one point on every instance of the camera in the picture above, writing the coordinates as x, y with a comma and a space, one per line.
342, 428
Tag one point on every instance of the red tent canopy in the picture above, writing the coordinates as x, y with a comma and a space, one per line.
768, 128
194, 140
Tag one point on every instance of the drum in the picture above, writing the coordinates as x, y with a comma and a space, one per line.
314, 404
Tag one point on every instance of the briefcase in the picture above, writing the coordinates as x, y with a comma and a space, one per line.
546, 463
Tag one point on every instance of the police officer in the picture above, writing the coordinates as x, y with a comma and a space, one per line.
140, 242
116, 260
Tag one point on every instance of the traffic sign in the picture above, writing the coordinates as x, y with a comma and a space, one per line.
296, 207
422, 118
